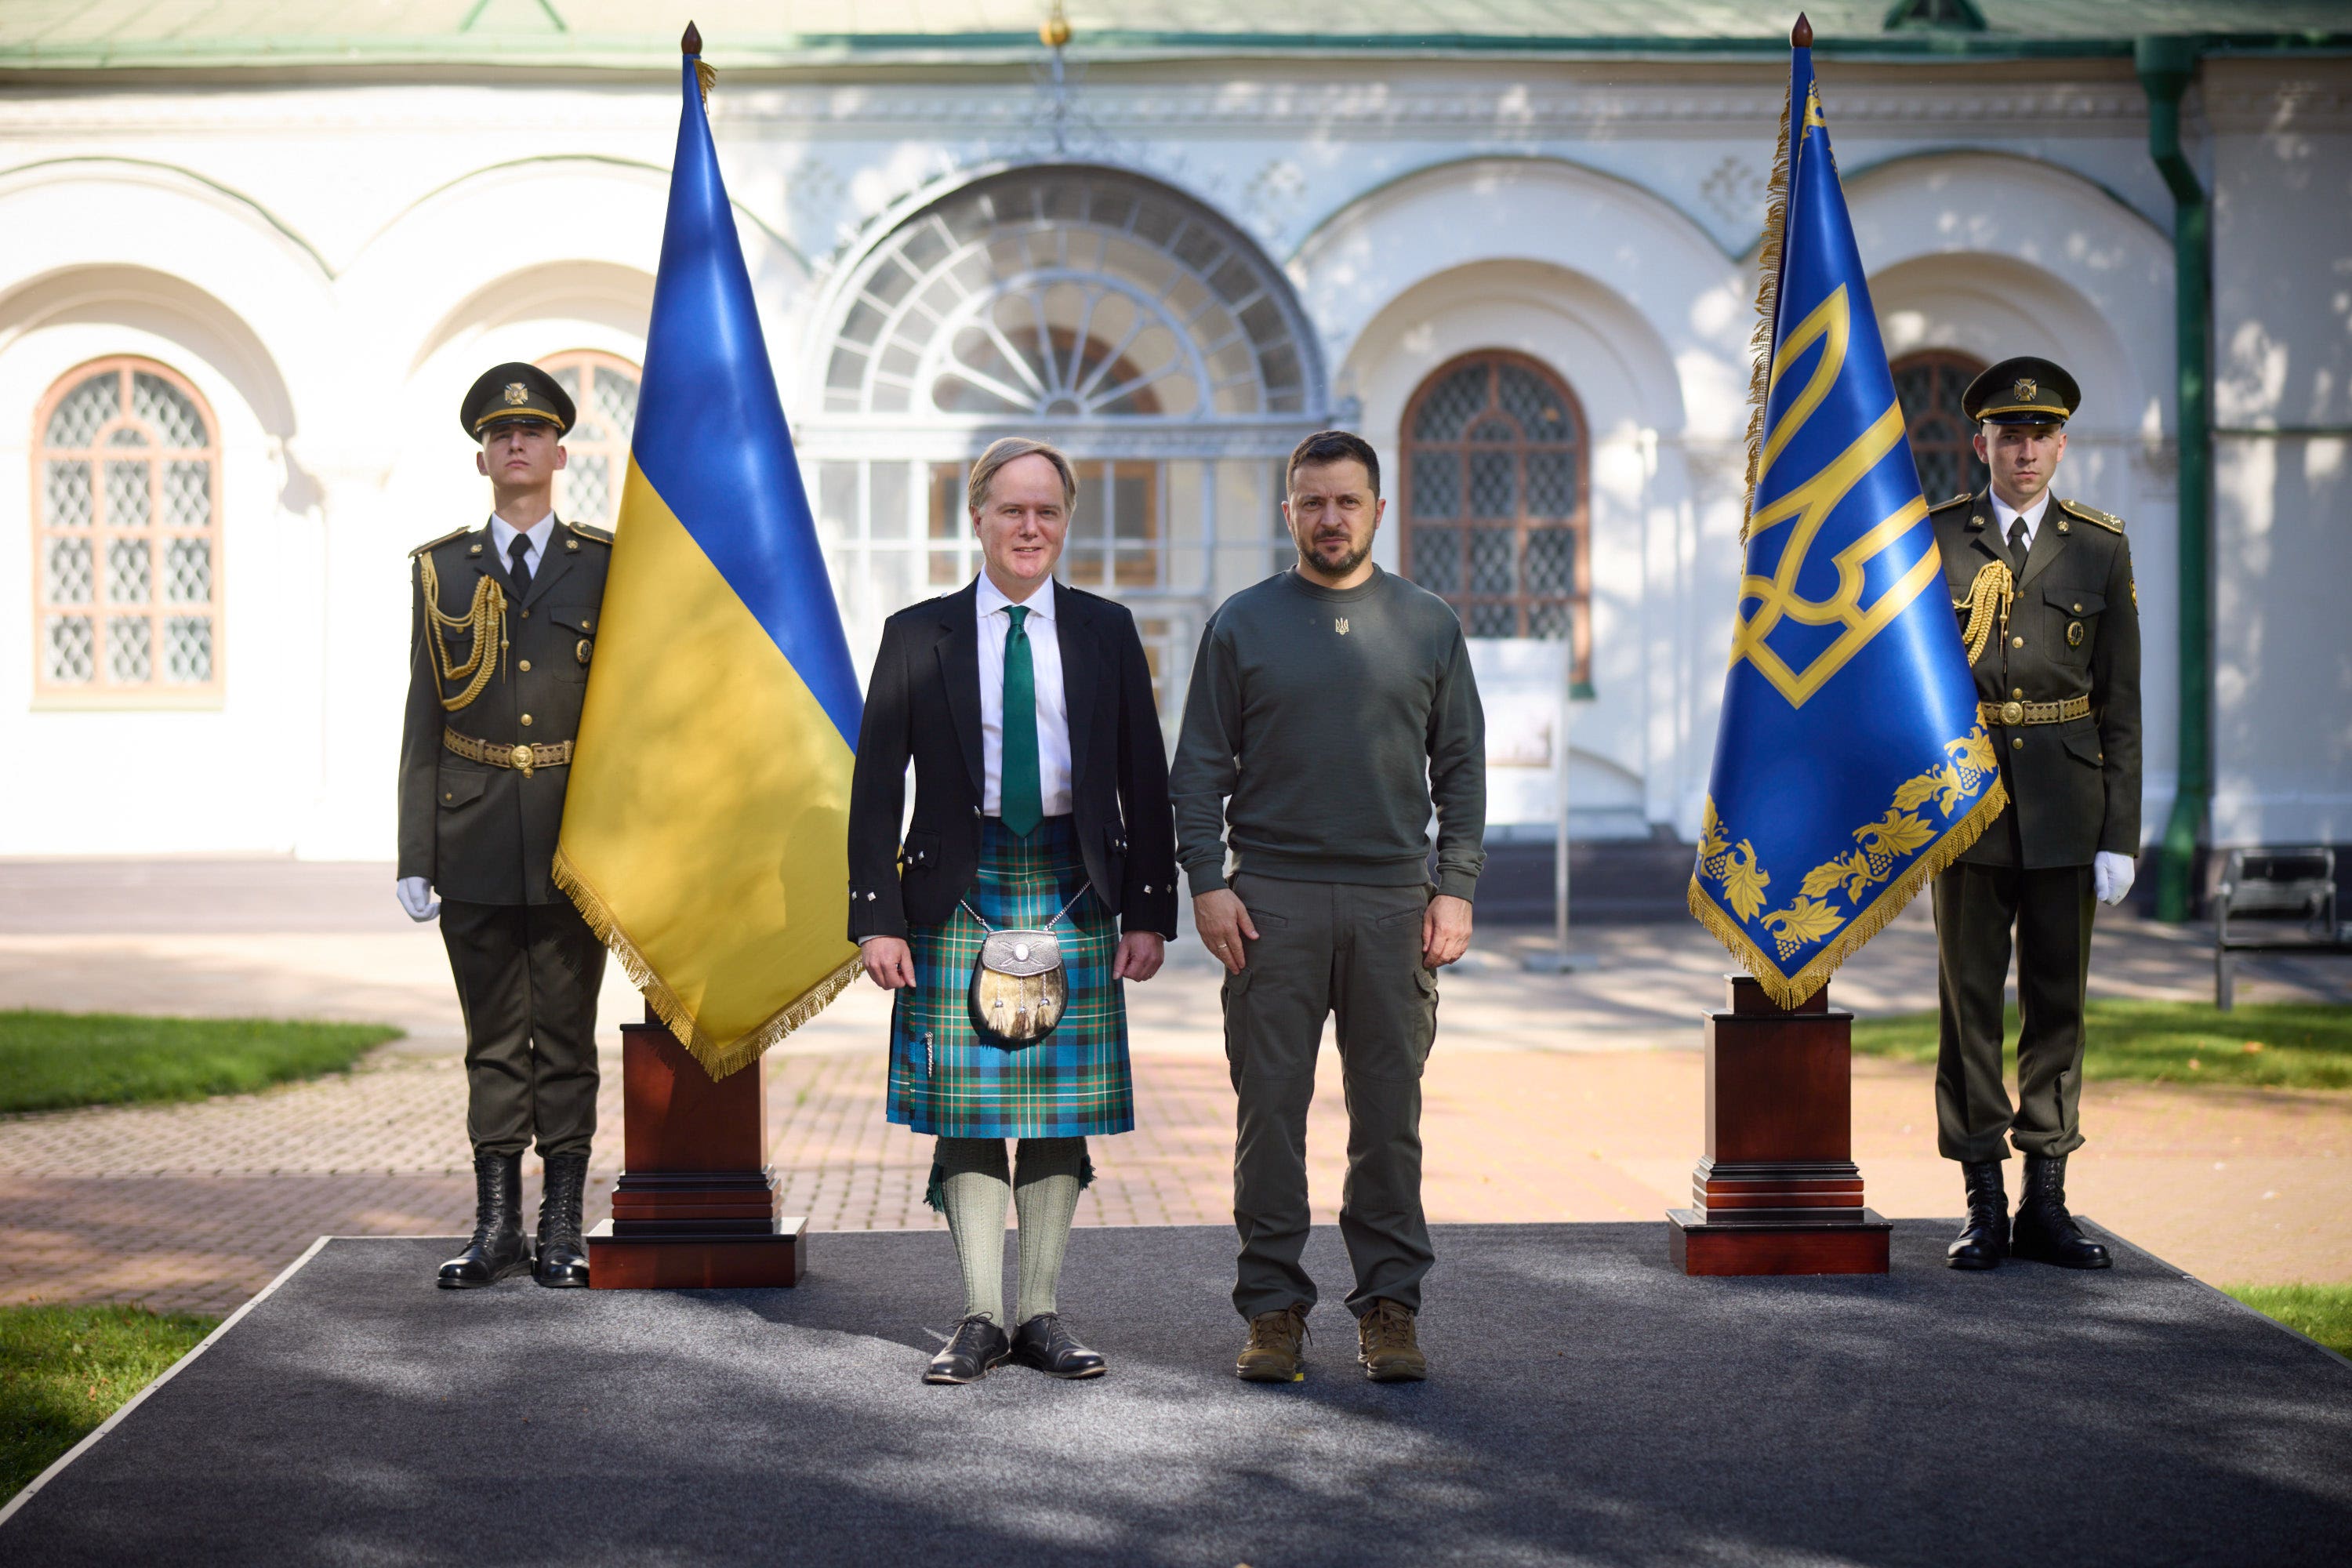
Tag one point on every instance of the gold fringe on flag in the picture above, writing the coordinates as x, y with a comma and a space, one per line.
718, 1061
1790, 990
1767, 308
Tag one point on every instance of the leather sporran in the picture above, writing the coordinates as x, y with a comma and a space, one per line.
1019, 988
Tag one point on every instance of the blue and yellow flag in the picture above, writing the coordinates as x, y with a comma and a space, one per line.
1850, 767
706, 827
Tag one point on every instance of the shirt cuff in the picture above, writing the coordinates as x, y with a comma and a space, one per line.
1208, 876
1463, 884
877, 936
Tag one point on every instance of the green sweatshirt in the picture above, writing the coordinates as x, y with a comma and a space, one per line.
1333, 719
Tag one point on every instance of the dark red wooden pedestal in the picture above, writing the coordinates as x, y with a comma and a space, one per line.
1777, 1191
695, 1207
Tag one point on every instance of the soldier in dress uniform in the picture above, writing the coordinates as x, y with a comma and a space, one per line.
2044, 590
503, 626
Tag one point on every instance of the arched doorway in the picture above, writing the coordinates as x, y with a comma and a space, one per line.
1498, 520
1139, 331
1929, 384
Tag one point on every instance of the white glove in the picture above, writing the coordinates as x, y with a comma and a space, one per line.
416, 897
2111, 877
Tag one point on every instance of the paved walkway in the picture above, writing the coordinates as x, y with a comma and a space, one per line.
1549, 1098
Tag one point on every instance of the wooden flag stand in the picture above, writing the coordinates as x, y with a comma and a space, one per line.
1777, 1191
695, 1207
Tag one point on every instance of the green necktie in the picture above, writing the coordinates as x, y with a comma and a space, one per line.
1023, 803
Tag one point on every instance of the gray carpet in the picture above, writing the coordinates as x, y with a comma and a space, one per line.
1590, 1405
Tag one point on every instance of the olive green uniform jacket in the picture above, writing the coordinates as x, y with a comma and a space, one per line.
479, 834
2072, 631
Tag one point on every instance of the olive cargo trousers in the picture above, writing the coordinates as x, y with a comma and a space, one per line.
1353, 953
527, 978
1977, 907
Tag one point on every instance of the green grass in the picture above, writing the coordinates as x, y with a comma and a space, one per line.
2323, 1312
2282, 1045
63, 1370
51, 1060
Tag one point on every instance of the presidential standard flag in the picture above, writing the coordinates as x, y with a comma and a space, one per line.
704, 830
1849, 766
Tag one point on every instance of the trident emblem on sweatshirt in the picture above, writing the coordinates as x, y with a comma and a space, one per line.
1340, 624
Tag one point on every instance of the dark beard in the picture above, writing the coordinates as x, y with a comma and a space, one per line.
1346, 564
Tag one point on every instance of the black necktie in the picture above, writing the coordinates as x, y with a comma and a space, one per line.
2018, 546
519, 563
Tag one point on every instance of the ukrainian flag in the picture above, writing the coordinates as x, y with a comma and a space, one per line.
706, 827
1849, 766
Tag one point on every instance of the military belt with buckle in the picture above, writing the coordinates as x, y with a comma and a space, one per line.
2012, 714
523, 759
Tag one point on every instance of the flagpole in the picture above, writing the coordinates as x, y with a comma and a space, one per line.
1776, 1190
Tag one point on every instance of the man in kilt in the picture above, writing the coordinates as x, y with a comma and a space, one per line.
1041, 802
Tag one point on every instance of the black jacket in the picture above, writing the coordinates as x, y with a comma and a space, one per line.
2073, 631
478, 833
923, 702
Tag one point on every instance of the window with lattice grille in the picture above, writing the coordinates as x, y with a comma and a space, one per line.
1496, 521
604, 392
126, 537
1929, 384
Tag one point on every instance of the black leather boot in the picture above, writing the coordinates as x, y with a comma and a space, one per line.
563, 1255
1983, 1241
497, 1250
2044, 1231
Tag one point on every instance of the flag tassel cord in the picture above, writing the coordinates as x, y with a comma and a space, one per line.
719, 1060
1768, 306
1790, 990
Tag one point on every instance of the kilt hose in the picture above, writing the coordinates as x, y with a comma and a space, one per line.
949, 1080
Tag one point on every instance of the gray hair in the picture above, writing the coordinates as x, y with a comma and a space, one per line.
1011, 449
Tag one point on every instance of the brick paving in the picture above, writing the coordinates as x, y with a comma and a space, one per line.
1549, 1098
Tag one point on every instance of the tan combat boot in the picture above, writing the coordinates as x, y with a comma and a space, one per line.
1385, 1345
1276, 1342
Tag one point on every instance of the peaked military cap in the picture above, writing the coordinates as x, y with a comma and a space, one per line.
514, 391
2023, 391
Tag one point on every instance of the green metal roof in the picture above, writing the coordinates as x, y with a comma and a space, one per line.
766, 34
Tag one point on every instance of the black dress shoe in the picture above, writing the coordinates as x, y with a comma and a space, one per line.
1045, 1342
563, 1255
497, 1250
977, 1345
2044, 1231
1983, 1241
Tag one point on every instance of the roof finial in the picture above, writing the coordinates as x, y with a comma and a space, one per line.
692, 42
1800, 36
1055, 32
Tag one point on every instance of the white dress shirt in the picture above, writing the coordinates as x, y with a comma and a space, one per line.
2003, 514
504, 534
1053, 711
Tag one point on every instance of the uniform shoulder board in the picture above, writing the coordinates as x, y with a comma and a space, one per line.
585, 532
2092, 515
1961, 500
437, 543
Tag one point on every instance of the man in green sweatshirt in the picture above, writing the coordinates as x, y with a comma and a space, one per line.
1331, 707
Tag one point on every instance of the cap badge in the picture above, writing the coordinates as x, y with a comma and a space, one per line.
2026, 390
517, 394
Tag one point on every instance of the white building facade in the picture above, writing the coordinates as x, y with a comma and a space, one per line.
238, 303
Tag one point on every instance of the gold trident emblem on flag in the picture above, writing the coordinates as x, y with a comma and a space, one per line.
1809, 504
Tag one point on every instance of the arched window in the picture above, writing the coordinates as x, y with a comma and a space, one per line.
1929, 384
126, 537
1136, 329
1495, 515
604, 392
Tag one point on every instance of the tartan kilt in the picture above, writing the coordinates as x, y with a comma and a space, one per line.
949, 1080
